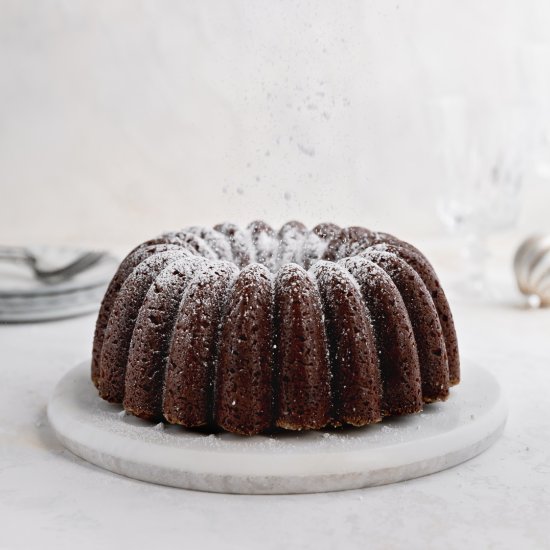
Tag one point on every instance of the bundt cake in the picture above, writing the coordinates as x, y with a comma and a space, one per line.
253, 330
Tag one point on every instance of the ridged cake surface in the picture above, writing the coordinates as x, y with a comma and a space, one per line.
252, 330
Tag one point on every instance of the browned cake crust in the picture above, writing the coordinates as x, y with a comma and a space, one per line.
422, 266
193, 356
397, 350
356, 391
151, 339
326, 231
120, 327
244, 380
301, 361
134, 258
432, 355
224, 329
342, 243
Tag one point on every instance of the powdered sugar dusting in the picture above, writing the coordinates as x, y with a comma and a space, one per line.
216, 240
240, 241
194, 243
195, 277
266, 249
291, 239
313, 248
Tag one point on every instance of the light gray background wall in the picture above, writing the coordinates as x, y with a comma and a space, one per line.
119, 119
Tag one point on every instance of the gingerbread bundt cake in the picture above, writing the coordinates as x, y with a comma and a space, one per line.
253, 330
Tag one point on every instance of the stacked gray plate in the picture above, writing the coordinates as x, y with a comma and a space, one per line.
24, 298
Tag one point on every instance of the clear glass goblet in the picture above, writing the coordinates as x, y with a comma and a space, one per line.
485, 152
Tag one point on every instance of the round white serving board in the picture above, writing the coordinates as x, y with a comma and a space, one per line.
443, 435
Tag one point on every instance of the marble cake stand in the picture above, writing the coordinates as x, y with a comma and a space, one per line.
442, 436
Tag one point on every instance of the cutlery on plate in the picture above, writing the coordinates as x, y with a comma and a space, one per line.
81, 263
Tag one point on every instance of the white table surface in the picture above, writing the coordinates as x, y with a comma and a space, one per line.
501, 499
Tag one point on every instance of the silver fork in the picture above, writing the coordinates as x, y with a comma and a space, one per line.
23, 255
